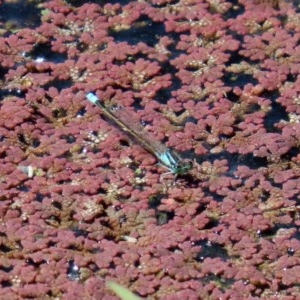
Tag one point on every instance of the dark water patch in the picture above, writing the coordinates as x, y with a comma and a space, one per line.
211, 250
142, 30
44, 52
275, 115
16, 15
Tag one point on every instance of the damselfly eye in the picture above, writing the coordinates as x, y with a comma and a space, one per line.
184, 166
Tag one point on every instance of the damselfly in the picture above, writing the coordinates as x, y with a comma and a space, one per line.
124, 120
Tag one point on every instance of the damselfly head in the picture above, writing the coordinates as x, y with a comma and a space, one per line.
183, 167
